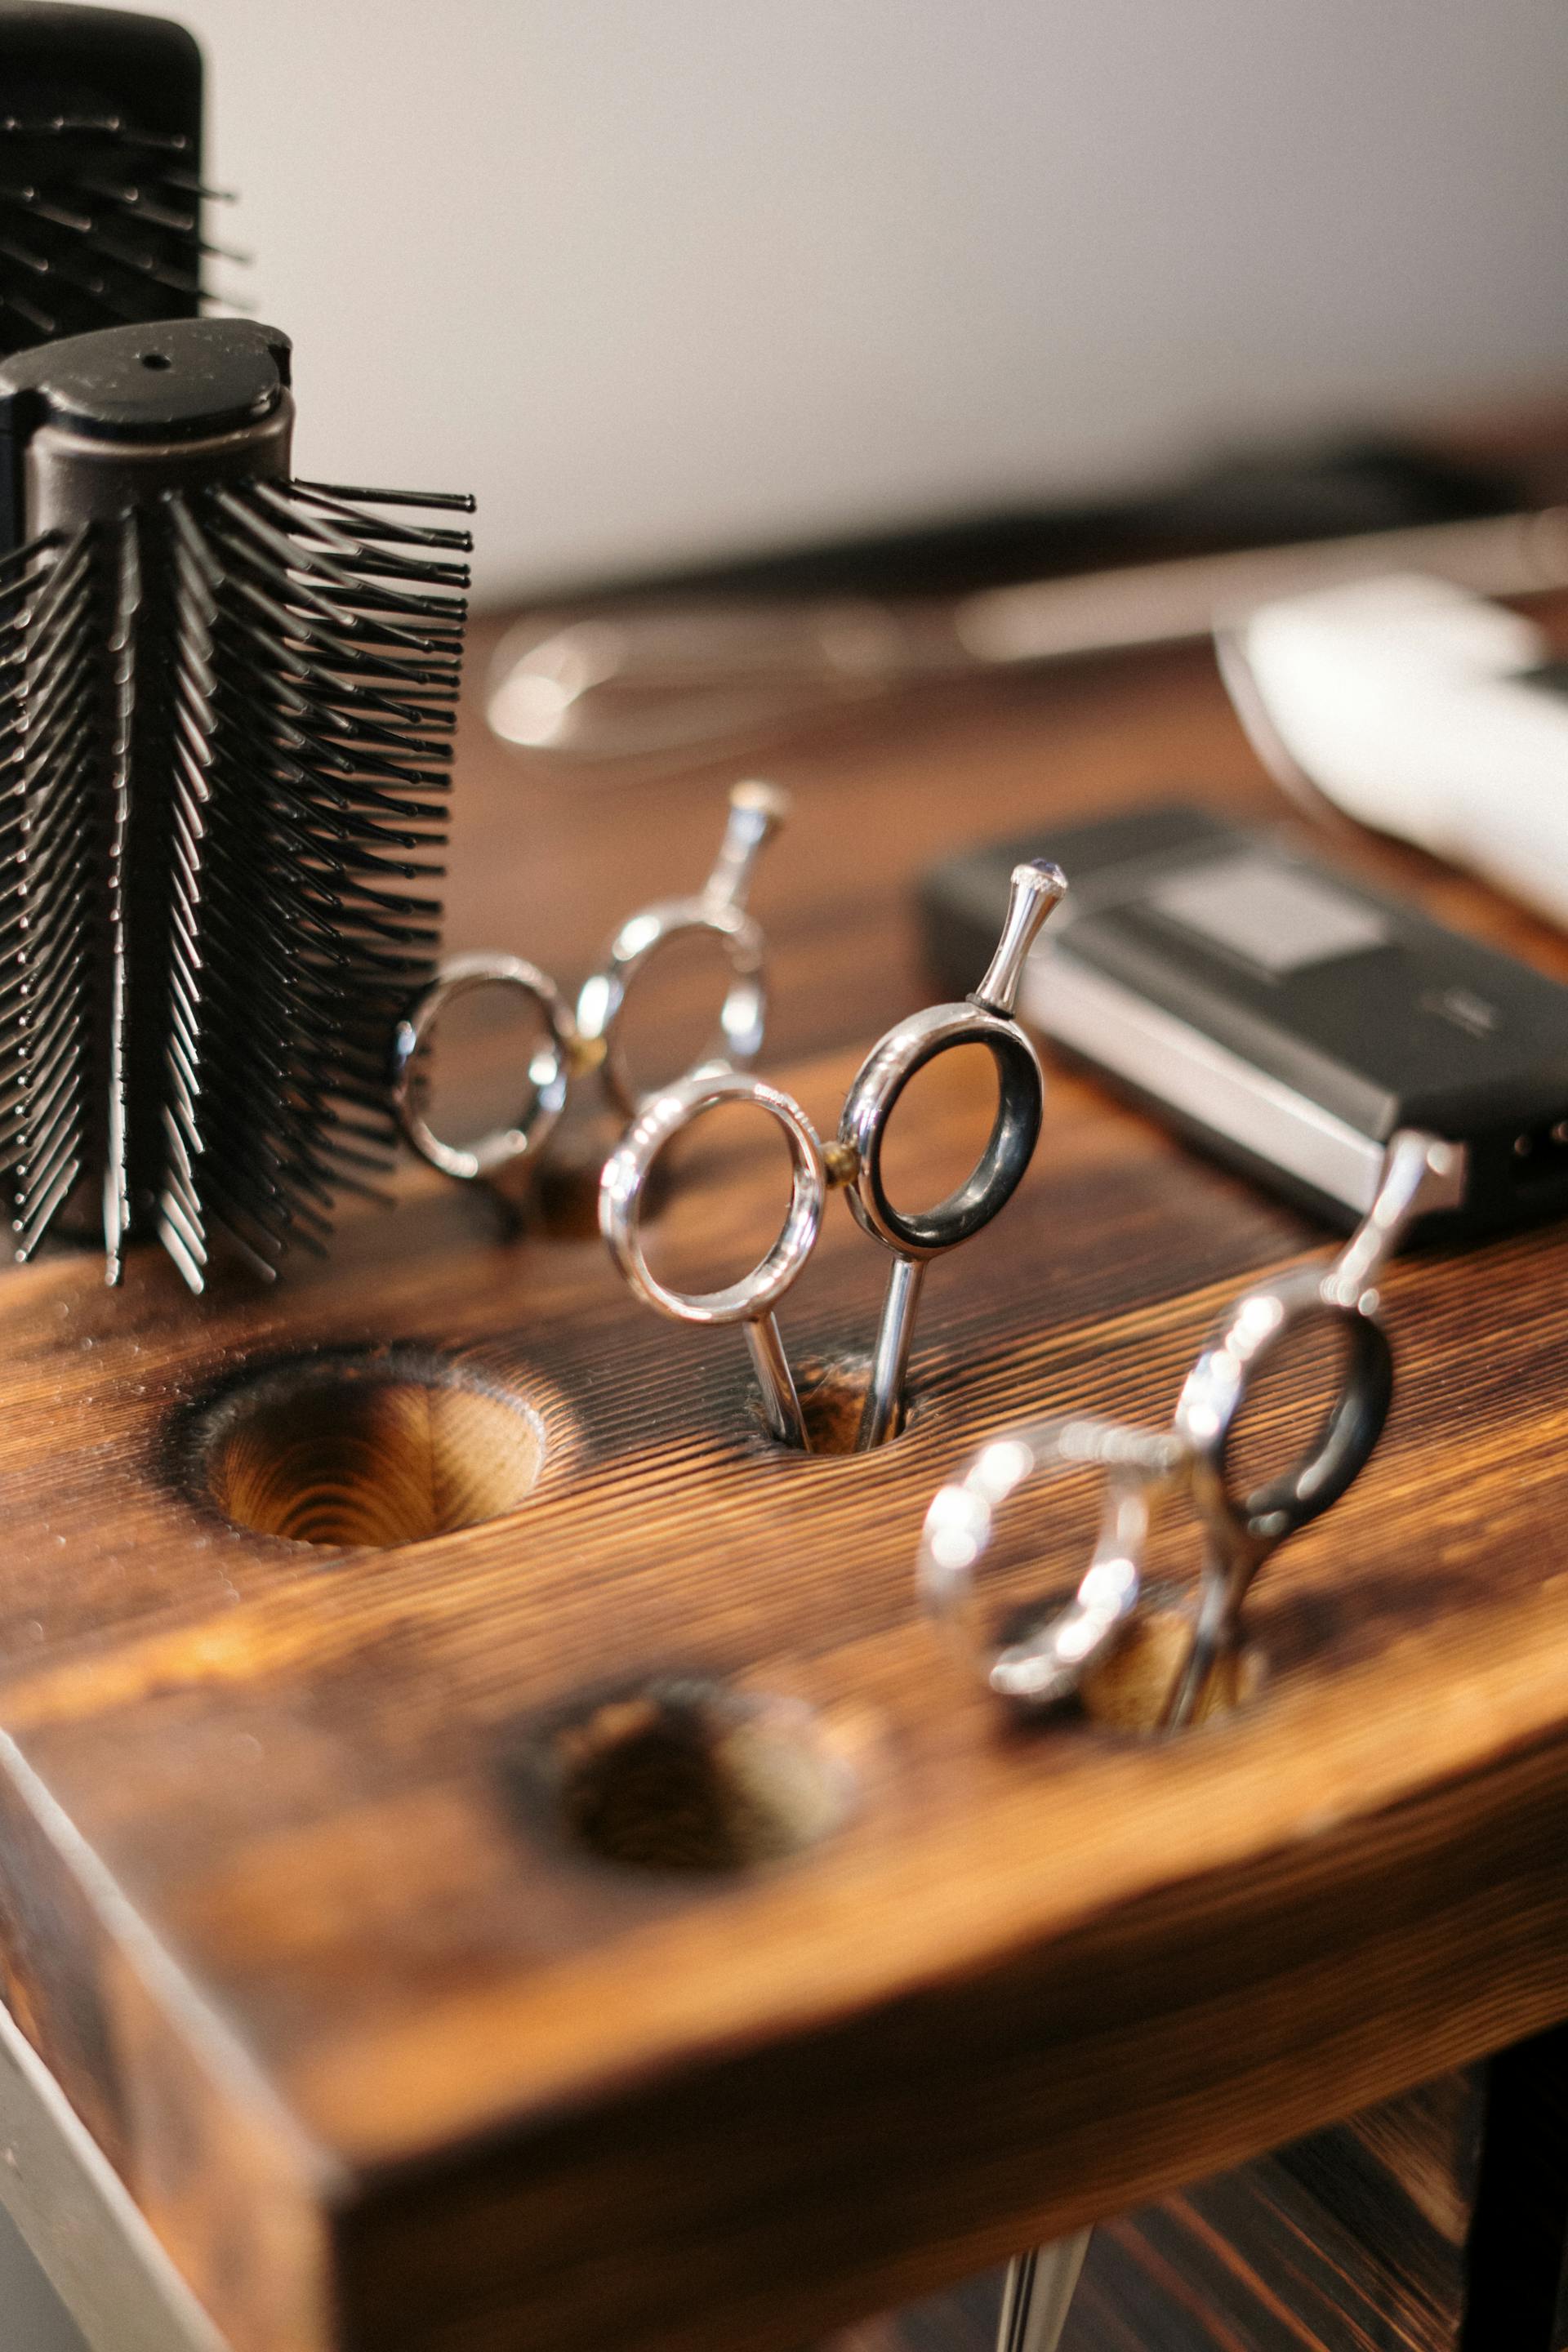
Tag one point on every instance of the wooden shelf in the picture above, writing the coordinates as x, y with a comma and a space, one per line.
289, 1899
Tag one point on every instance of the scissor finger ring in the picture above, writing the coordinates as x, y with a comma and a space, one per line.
1216, 1389
548, 1069
1051, 1657
718, 912
873, 1096
752, 1300
1419, 1173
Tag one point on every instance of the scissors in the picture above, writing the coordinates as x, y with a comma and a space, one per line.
588, 1040
1420, 1174
853, 1163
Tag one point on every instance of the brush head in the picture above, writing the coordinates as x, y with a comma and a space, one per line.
227, 701
100, 190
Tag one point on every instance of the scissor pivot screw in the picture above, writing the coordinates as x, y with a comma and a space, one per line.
842, 1162
586, 1053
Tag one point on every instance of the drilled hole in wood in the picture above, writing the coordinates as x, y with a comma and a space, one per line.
1129, 1690
832, 1396
380, 1450
692, 1777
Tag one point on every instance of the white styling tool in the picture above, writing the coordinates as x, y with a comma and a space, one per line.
1419, 709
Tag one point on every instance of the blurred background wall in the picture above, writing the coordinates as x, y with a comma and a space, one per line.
665, 278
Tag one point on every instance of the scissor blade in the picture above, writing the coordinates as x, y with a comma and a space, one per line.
780, 1398
1037, 2294
884, 1404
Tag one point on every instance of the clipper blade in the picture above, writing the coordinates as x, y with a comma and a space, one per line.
100, 186
226, 701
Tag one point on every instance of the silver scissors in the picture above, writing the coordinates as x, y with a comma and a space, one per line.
853, 1163
588, 1039
1420, 1174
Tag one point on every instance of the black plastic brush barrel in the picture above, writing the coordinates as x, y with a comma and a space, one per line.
97, 422
227, 699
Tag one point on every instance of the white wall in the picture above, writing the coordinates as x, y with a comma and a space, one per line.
662, 277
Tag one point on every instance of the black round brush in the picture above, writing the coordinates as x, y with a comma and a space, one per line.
100, 188
227, 699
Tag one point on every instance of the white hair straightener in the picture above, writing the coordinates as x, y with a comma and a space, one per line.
1421, 709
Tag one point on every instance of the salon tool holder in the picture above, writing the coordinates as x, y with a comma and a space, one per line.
228, 702
340, 1618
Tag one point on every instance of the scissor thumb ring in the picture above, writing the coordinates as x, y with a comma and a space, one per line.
1049, 1657
622, 1183
550, 1067
750, 1301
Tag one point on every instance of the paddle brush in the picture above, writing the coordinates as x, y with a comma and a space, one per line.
225, 708
100, 191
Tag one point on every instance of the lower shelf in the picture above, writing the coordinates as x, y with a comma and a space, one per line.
1434, 2223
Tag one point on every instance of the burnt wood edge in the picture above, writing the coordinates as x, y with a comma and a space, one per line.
227, 2183
647, 2221
628, 2222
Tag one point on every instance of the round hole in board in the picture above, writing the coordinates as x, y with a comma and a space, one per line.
1128, 1691
832, 1398
692, 1776
381, 1448
156, 360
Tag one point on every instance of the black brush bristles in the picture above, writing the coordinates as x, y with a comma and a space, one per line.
97, 227
100, 186
228, 717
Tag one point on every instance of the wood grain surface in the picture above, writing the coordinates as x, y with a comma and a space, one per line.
296, 1892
